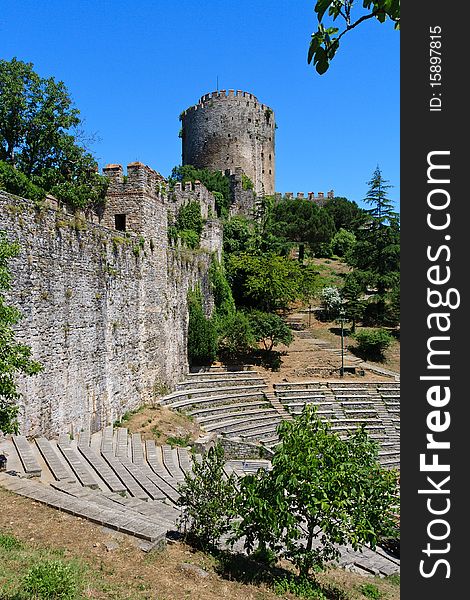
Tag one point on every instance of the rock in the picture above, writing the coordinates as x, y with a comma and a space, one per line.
194, 570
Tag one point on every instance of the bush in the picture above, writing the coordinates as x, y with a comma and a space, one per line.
202, 334
331, 302
208, 498
372, 343
234, 334
51, 580
369, 590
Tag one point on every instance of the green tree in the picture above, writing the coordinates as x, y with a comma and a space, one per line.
239, 232
343, 241
303, 222
40, 136
269, 329
325, 41
215, 181
352, 302
345, 213
202, 334
269, 282
376, 255
322, 491
207, 498
235, 335
15, 358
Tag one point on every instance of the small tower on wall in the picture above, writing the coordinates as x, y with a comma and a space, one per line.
225, 131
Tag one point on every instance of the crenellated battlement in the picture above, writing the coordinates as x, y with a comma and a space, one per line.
320, 197
138, 175
227, 95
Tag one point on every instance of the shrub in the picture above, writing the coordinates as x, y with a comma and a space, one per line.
342, 243
372, 343
235, 334
369, 590
208, 498
51, 580
202, 334
331, 302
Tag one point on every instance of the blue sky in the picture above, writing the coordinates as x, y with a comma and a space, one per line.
132, 67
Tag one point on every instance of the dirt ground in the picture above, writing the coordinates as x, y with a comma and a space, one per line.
315, 354
113, 567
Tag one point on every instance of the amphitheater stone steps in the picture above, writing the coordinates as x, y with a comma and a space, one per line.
144, 516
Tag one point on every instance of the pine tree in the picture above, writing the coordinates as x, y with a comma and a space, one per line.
376, 255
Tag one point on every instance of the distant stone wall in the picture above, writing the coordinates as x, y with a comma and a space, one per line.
104, 311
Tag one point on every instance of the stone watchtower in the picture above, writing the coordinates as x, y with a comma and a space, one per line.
224, 131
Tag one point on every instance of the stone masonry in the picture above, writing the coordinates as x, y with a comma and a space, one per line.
224, 131
104, 304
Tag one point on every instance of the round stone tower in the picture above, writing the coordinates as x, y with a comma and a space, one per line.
224, 131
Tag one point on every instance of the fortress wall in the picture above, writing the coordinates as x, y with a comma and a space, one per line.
104, 312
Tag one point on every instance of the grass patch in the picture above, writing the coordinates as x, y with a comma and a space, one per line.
179, 440
369, 590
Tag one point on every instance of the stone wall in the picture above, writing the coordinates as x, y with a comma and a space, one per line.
104, 311
228, 130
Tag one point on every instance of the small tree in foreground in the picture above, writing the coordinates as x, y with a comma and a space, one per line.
14, 358
322, 491
208, 499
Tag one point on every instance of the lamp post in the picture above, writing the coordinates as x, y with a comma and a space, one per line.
342, 321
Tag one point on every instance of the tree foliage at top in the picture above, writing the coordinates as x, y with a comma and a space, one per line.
302, 222
376, 255
269, 282
14, 358
325, 41
40, 137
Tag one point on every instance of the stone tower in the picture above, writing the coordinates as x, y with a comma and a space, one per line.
224, 131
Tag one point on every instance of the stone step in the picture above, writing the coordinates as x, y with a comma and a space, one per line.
234, 424
220, 381
237, 430
122, 438
214, 410
221, 372
78, 466
124, 476
256, 433
30, 465
171, 462
145, 483
137, 526
101, 467
151, 510
53, 461
238, 414
183, 396
155, 461
194, 403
